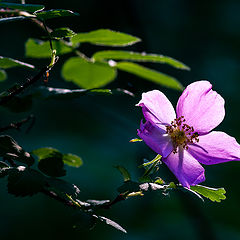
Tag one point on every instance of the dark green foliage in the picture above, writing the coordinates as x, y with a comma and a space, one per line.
23, 181
214, 194
24, 7
9, 149
62, 187
60, 33
55, 13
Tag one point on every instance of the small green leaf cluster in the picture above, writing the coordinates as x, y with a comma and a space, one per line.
24, 181
98, 70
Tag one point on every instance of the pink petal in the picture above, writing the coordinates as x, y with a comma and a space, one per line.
215, 147
157, 108
186, 168
202, 108
156, 138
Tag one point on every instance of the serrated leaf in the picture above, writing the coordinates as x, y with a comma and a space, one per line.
24, 7
10, 149
87, 74
3, 75
24, 181
124, 172
111, 223
41, 49
141, 57
150, 75
62, 187
44, 15
214, 194
59, 33
72, 160
105, 37
9, 63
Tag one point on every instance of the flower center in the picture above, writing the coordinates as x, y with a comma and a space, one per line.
181, 134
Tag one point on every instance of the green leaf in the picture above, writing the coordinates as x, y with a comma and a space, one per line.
41, 49
10, 149
111, 223
24, 7
50, 162
54, 156
60, 186
24, 181
44, 15
11, 19
214, 194
3, 75
52, 165
62, 33
9, 63
156, 159
72, 160
87, 74
124, 172
106, 37
150, 75
141, 57
42, 153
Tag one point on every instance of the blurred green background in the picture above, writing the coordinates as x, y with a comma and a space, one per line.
205, 35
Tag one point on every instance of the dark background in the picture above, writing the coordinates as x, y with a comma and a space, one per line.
203, 34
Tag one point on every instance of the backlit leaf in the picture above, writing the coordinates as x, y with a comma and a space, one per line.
150, 75
44, 15
72, 160
124, 172
41, 49
105, 37
3, 75
141, 57
87, 74
214, 194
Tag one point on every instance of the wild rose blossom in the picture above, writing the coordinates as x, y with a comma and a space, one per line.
183, 139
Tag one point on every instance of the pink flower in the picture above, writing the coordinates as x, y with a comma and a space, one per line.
184, 141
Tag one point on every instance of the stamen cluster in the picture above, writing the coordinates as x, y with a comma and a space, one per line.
181, 133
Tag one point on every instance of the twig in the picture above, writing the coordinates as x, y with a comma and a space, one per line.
18, 125
29, 82
53, 195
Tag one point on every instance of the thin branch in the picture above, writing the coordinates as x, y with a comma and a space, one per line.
54, 196
18, 90
18, 125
